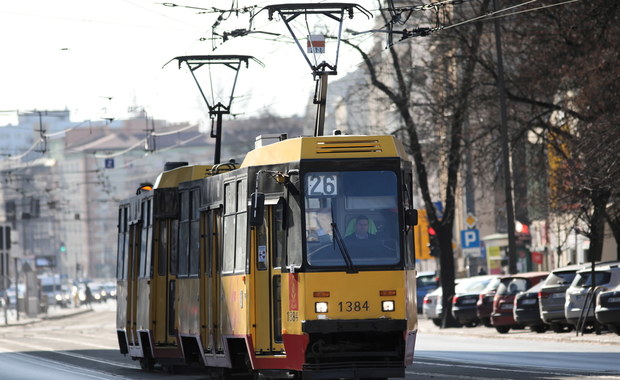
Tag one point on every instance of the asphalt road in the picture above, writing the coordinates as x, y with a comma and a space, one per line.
83, 346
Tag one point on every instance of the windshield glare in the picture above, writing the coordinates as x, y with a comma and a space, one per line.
357, 207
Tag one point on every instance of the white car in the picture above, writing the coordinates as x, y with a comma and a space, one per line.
606, 277
431, 307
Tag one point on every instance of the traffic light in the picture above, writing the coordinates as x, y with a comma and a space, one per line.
63, 247
433, 243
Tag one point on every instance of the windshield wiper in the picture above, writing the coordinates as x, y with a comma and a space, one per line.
340, 242
343, 249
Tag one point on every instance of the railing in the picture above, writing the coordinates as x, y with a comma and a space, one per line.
589, 303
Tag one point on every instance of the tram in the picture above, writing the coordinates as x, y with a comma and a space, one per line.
298, 263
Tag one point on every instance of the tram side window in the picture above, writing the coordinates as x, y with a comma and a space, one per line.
174, 246
262, 259
410, 236
279, 234
208, 242
146, 241
149, 244
242, 228
235, 227
122, 243
230, 209
162, 252
184, 234
240, 251
194, 235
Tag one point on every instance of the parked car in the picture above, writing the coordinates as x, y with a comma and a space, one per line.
608, 309
467, 293
527, 311
578, 303
425, 282
484, 305
431, 306
551, 297
502, 317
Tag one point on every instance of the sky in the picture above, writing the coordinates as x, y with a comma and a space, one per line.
102, 58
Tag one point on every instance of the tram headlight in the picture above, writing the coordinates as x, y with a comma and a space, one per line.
387, 305
320, 307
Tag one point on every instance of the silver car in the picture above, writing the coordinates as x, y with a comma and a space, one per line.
551, 297
605, 277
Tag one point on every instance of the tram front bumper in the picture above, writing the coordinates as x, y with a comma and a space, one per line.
355, 348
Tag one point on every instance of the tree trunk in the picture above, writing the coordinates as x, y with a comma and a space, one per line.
597, 226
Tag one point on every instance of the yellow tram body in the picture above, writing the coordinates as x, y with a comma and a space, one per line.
263, 268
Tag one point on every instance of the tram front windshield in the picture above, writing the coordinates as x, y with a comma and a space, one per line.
351, 218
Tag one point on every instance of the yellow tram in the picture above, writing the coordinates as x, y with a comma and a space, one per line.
297, 263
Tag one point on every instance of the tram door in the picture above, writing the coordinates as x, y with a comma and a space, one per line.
211, 297
268, 248
208, 244
133, 270
160, 280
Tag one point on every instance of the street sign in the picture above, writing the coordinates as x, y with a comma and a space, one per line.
439, 209
470, 239
109, 163
472, 252
470, 221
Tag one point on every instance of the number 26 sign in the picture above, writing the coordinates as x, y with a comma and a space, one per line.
324, 184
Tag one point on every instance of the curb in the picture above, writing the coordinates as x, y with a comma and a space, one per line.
61, 316
44, 317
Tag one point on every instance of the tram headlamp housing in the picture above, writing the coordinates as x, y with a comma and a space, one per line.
387, 305
320, 307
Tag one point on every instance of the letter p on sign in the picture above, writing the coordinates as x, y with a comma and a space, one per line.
470, 238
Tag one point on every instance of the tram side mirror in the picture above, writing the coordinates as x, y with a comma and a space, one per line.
257, 209
411, 217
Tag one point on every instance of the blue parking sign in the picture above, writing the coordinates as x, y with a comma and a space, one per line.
470, 238
109, 163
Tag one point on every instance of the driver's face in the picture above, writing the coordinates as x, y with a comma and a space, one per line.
362, 226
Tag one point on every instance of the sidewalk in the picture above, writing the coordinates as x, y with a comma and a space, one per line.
54, 312
426, 326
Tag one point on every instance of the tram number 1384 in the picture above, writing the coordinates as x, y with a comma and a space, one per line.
351, 306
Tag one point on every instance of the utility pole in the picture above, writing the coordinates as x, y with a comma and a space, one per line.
512, 245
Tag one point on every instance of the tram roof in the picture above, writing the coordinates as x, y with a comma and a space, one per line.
325, 147
172, 178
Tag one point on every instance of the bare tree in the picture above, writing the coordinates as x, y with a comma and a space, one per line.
567, 83
453, 70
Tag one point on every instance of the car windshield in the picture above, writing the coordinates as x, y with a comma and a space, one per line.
511, 286
584, 279
560, 278
351, 215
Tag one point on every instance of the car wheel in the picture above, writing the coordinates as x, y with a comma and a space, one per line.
502, 329
486, 322
437, 322
471, 324
539, 329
